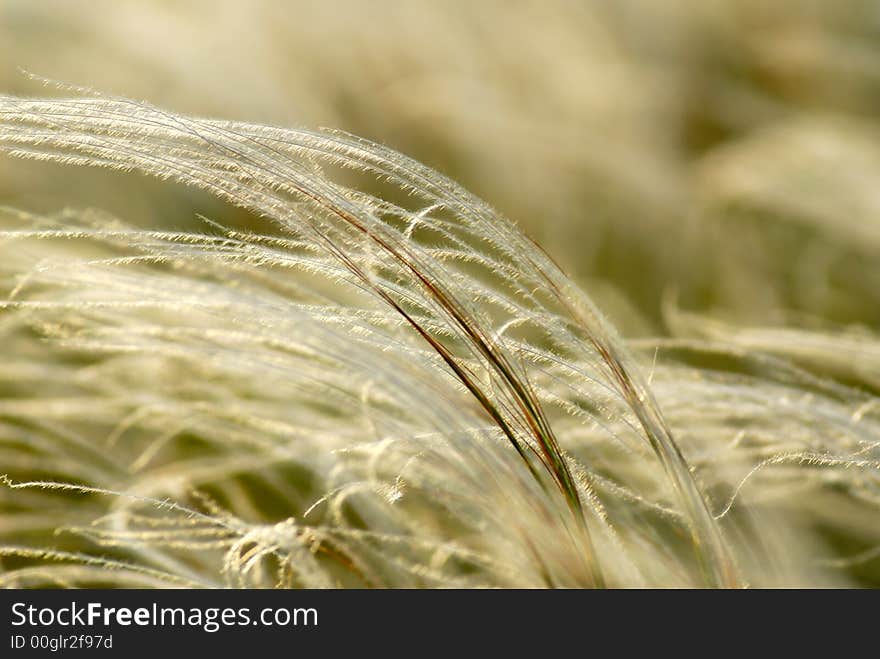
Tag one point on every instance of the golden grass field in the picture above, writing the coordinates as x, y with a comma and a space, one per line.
440, 294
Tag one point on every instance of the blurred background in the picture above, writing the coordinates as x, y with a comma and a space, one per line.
715, 156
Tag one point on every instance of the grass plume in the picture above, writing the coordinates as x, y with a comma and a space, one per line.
378, 380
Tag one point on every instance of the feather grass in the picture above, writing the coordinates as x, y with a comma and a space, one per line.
381, 382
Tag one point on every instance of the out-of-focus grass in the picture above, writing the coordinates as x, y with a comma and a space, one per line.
680, 141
